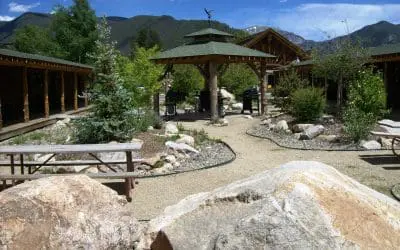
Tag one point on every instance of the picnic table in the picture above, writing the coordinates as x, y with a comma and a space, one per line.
91, 149
392, 131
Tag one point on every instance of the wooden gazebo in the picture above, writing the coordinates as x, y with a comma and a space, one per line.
34, 86
210, 48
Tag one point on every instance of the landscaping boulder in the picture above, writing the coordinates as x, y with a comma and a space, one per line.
300, 205
72, 212
312, 132
281, 126
237, 106
187, 139
171, 129
328, 138
370, 145
181, 147
299, 128
229, 97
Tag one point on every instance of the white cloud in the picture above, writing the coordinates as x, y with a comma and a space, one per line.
16, 7
319, 21
6, 18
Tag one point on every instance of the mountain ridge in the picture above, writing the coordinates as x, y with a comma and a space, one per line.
171, 31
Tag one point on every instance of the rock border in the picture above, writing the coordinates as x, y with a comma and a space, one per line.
282, 145
396, 191
196, 169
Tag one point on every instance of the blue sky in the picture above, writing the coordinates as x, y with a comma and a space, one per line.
317, 20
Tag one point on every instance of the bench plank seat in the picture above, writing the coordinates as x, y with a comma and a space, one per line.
119, 175
70, 149
67, 163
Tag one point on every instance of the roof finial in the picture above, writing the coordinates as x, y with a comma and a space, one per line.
209, 12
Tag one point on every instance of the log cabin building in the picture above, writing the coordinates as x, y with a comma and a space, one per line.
34, 86
271, 42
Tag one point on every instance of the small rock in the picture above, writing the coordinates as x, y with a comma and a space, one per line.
328, 138
59, 125
266, 122
170, 158
171, 129
297, 135
272, 127
312, 132
150, 128
187, 139
237, 106
176, 164
387, 143
288, 131
298, 128
281, 125
370, 145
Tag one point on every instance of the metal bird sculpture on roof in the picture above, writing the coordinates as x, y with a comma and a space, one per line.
209, 15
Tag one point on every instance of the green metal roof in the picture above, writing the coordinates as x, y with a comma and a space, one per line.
209, 31
385, 49
210, 48
13, 53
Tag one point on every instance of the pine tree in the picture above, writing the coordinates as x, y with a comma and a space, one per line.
111, 117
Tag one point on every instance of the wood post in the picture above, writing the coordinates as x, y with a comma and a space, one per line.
213, 91
129, 182
62, 93
86, 94
263, 102
25, 90
75, 91
46, 94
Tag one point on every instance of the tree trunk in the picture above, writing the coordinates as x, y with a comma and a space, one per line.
156, 103
340, 93
213, 92
326, 88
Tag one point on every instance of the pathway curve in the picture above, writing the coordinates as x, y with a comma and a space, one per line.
254, 155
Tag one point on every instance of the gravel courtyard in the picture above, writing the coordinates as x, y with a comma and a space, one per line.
376, 169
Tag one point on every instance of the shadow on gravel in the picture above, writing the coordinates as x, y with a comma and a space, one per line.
390, 162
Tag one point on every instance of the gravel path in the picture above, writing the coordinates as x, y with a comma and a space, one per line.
255, 155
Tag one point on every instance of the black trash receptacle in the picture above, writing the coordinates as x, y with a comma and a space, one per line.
250, 100
170, 103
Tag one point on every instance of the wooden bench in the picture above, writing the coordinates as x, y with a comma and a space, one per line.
90, 149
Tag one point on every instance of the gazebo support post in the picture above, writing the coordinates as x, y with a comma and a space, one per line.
46, 93
1, 116
213, 91
262, 79
62, 97
75, 91
25, 90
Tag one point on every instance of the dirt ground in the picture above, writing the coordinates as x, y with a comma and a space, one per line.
376, 169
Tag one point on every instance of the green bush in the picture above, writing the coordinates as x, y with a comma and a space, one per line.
289, 82
307, 104
358, 124
365, 105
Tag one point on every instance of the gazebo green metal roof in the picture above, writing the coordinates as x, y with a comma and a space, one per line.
209, 31
385, 49
211, 48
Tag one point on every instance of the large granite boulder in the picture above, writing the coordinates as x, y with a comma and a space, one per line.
66, 213
312, 132
300, 205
